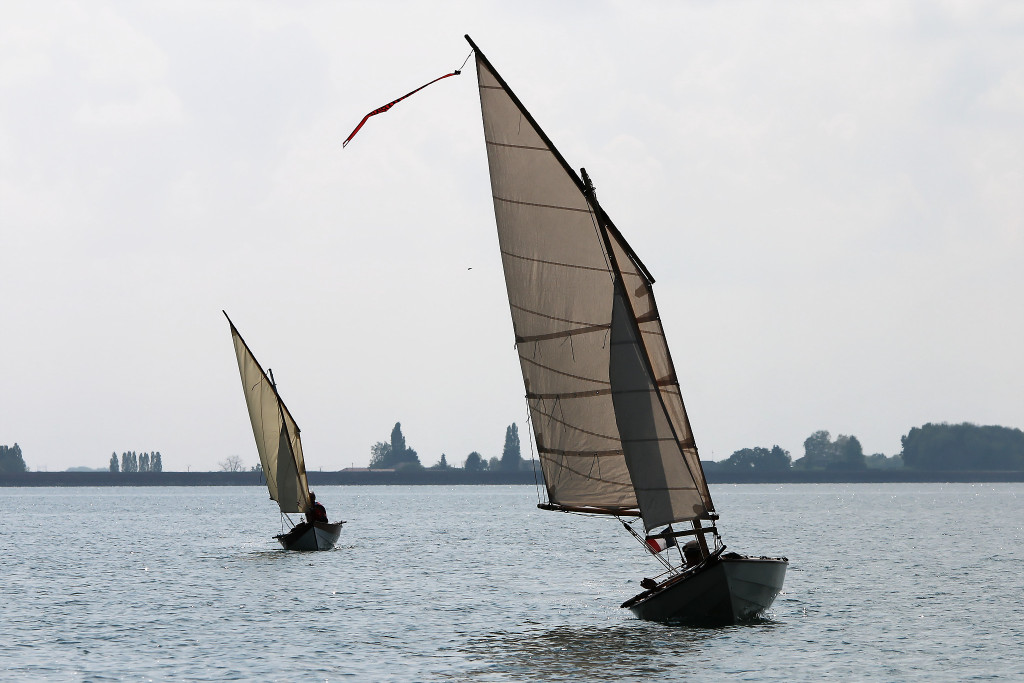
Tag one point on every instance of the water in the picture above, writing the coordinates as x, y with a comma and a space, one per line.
887, 582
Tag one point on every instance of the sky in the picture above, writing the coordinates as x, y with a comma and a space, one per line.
830, 196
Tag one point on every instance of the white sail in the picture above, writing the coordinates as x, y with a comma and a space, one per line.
277, 435
597, 450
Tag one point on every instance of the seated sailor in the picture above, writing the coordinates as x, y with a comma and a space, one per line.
316, 511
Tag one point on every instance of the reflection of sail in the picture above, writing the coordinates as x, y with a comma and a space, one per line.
277, 435
608, 418
638, 650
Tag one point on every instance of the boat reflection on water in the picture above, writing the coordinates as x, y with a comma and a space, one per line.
581, 653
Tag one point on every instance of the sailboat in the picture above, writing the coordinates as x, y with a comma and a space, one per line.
280, 449
609, 424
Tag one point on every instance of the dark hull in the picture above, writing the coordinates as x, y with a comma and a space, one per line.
315, 536
729, 590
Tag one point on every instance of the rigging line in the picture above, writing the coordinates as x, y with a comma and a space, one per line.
665, 563
381, 110
533, 462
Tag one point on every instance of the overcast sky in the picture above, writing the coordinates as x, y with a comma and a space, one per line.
829, 194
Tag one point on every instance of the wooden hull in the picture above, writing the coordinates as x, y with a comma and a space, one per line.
731, 589
315, 536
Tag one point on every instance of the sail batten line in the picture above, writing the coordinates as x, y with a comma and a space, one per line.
565, 468
511, 146
579, 454
591, 393
546, 316
524, 339
561, 264
550, 369
575, 428
540, 206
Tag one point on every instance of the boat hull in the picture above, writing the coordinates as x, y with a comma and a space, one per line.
731, 589
315, 536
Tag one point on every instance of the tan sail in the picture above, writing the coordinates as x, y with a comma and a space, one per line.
277, 435
597, 450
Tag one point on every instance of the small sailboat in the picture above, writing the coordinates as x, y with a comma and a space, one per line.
280, 449
609, 423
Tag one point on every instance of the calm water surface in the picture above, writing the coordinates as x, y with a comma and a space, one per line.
895, 582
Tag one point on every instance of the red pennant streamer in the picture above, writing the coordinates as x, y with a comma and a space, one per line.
387, 106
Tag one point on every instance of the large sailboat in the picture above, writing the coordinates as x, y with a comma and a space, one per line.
280, 449
609, 423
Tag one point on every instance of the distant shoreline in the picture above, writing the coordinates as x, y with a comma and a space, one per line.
458, 477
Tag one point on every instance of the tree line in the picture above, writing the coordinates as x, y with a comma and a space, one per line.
934, 447
396, 454
133, 462
11, 459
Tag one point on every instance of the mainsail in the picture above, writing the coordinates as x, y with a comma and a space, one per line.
608, 417
277, 435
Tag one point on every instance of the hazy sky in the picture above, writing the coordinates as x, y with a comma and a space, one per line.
830, 195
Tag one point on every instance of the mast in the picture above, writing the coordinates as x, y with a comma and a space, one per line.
591, 195
608, 418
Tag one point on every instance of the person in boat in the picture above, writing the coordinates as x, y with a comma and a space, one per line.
316, 511
692, 554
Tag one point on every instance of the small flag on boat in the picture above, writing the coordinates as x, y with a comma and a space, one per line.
381, 110
657, 544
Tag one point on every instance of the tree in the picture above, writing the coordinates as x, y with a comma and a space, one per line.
395, 454
760, 459
144, 462
475, 463
113, 463
510, 454
821, 453
963, 446
849, 455
11, 459
397, 440
442, 464
380, 455
817, 451
126, 465
133, 461
156, 464
232, 463
878, 461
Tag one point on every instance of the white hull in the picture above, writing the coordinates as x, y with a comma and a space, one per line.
731, 589
306, 536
